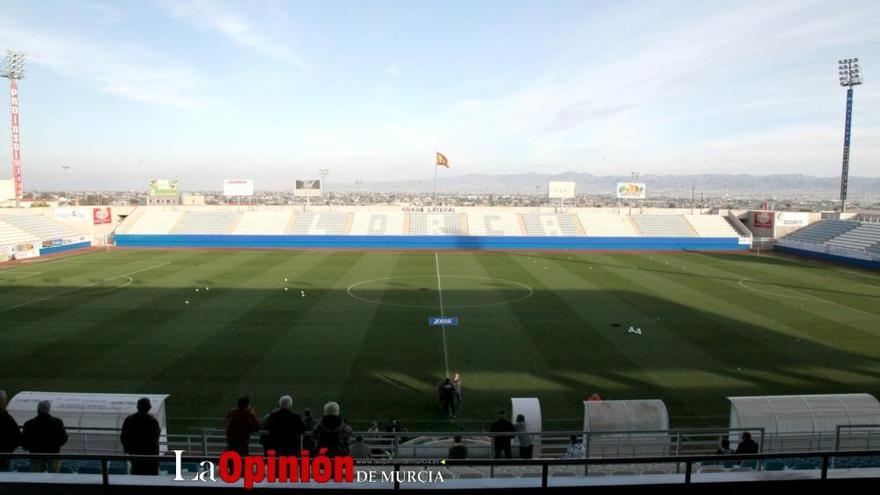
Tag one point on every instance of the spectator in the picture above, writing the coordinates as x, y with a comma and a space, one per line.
284, 429
373, 430
446, 392
746, 444
575, 448
332, 433
309, 424
241, 422
44, 434
456, 382
525, 439
140, 436
502, 442
724, 449
10, 435
458, 450
359, 449
395, 427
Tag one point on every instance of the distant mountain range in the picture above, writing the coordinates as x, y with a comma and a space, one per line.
770, 186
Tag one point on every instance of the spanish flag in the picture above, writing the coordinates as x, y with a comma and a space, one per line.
441, 160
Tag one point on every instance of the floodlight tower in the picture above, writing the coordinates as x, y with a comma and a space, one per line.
13, 69
848, 70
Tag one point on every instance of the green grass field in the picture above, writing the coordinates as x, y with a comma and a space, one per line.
549, 325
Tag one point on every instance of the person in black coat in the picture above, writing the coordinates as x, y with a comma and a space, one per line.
746, 444
10, 434
284, 429
140, 436
44, 434
502, 442
446, 392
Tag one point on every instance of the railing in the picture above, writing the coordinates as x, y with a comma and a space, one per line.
688, 462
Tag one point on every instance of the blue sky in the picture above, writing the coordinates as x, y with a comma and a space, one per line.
273, 90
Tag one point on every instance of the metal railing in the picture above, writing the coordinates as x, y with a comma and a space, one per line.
690, 463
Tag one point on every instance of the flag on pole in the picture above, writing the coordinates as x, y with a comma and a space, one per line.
441, 160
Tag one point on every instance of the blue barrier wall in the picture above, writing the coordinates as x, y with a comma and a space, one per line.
427, 242
67, 247
828, 257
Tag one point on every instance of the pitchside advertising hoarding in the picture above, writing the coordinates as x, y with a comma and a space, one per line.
163, 187
238, 187
561, 190
631, 190
307, 188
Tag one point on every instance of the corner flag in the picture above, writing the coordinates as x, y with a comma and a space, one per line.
441, 160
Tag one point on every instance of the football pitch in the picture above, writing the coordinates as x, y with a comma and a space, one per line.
351, 326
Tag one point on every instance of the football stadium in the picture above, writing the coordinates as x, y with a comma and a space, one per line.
174, 338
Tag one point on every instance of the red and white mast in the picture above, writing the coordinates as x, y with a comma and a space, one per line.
13, 69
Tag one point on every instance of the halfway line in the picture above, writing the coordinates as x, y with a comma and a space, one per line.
442, 315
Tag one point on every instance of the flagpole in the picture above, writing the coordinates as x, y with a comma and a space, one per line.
435, 184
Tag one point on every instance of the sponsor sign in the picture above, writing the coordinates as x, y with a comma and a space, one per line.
238, 187
307, 188
762, 219
163, 187
443, 321
101, 215
68, 214
792, 219
631, 190
561, 190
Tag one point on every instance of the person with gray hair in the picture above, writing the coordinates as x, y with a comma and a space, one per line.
332, 433
284, 429
10, 434
44, 434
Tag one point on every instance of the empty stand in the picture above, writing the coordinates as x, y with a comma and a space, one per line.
366, 223
711, 226
820, 232
263, 223
11, 235
600, 225
863, 237
445, 223
206, 222
39, 226
550, 224
325, 223
494, 224
663, 226
154, 222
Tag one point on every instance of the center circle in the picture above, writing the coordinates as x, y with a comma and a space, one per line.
458, 291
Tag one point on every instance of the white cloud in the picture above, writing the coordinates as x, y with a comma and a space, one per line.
212, 15
122, 70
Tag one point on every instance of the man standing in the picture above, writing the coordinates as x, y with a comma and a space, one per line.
502, 442
446, 391
241, 422
10, 435
140, 436
284, 429
332, 433
44, 434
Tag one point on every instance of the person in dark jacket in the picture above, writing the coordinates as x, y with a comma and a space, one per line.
241, 422
746, 444
284, 429
332, 433
10, 434
44, 434
446, 393
502, 442
140, 436
458, 450
309, 424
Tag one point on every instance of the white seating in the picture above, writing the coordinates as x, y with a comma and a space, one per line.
711, 226
39, 226
11, 235
550, 224
206, 222
154, 222
263, 222
663, 226
324, 223
607, 225
445, 223
500, 223
366, 223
